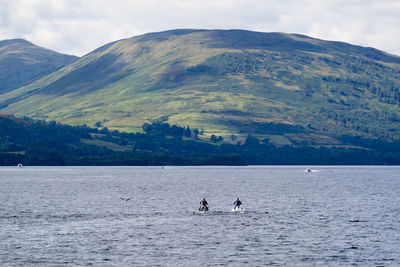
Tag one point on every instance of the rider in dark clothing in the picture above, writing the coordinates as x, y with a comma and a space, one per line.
203, 204
237, 203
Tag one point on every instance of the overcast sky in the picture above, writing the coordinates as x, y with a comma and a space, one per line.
80, 26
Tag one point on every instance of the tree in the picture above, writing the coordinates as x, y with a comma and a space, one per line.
176, 131
196, 133
188, 132
251, 141
146, 127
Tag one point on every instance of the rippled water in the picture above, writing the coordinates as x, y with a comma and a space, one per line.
336, 216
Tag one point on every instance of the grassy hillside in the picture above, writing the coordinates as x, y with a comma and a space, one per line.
225, 82
22, 63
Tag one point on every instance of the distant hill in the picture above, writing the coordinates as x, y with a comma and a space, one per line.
288, 88
22, 62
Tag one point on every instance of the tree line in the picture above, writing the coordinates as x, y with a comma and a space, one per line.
49, 143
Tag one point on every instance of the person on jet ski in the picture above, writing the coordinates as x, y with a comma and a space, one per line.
237, 203
203, 204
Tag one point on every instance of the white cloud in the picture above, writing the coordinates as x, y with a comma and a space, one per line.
79, 26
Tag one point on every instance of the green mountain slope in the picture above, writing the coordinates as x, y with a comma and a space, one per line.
225, 82
22, 63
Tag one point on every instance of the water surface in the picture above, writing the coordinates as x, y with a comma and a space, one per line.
67, 216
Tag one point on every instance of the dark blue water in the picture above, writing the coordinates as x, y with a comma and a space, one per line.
336, 216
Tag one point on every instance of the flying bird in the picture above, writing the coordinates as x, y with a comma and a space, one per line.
125, 199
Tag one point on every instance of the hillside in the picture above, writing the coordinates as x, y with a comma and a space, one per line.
288, 88
32, 142
22, 62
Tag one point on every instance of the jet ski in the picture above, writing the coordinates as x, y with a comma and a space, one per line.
203, 208
238, 209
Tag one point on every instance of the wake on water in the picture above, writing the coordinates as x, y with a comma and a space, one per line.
238, 210
219, 212
309, 170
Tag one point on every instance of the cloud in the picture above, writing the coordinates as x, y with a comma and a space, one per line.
79, 26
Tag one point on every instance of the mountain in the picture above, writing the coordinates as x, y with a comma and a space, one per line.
22, 62
288, 88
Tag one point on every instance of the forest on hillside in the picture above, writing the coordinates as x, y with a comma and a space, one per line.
32, 142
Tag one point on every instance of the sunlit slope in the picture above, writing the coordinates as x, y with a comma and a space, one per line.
22, 62
223, 82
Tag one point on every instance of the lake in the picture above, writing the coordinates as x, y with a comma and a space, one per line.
68, 216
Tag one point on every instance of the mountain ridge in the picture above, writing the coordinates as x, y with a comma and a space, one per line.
22, 62
223, 81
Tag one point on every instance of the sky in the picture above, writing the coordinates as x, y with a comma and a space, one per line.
79, 26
